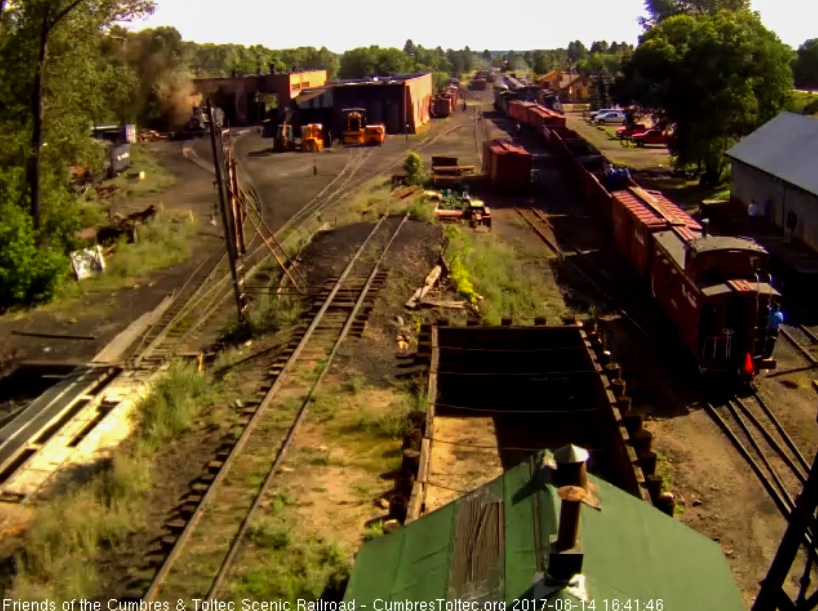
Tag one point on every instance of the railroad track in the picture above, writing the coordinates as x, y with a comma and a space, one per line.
764, 444
804, 340
609, 291
205, 534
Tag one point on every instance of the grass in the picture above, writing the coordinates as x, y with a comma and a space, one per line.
489, 272
422, 210
291, 568
161, 243
58, 560
354, 384
373, 531
270, 314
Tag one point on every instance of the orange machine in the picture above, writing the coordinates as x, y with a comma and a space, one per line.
357, 132
312, 137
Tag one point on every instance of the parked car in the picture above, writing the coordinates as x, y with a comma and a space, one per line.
610, 117
631, 130
602, 111
652, 136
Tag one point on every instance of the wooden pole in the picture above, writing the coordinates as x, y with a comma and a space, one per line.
218, 166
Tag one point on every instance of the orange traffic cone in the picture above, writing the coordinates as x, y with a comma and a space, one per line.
749, 369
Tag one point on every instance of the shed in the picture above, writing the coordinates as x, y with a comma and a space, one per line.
495, 544
775, 166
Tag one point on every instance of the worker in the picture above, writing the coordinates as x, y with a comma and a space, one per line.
776, 320
753, 213
314, 167
329, 138
792, 221
464, 105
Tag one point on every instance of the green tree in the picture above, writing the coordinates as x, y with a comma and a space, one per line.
486, 55
805, 66
39, 19
359, 63
541, 63
576, 52
659, 10
409, 47
28, 274
714, 77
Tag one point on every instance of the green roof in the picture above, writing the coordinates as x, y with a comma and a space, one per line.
485, 546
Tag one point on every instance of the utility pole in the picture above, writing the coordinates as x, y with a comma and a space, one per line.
229, 236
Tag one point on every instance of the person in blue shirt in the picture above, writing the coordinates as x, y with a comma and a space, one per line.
776, 320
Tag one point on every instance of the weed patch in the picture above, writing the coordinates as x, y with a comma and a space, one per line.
488, 272
269, 315
422, 210
176, 399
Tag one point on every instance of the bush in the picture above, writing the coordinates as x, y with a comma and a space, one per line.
422, 210
413, 168
482, 264
28, 274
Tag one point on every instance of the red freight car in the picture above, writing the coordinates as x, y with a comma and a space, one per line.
715, 290
507, 165
636, 214
518, 110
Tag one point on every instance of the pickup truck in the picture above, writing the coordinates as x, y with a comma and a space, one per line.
623, 133
652, 136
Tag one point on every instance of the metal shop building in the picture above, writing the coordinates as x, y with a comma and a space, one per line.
401, 102
521, 537
247, 99
775, 166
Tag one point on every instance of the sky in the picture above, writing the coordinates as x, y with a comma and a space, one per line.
533, 24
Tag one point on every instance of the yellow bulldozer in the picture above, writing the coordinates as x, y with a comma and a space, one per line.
357, 132
311, 140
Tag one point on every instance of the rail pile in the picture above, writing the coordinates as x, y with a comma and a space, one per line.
200, 546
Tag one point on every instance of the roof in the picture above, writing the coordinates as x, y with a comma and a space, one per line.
785, 147
310, 94
493, 544
672, 244
382, 80
710, 243
742, 286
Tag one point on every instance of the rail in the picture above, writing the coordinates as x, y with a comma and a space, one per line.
766, 447
284, 375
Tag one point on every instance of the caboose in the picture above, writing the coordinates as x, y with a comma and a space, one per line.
716, 290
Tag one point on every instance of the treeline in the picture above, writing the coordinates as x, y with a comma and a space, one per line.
600, 58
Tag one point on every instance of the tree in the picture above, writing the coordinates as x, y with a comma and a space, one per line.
600, 46
659, 10
41, 18
540, 62
576, 52
805, 66
409, 47
715, 78
487, 55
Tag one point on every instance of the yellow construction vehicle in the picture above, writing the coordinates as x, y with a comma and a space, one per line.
312, 137
357, 132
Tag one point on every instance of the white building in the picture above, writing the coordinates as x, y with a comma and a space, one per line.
778, 163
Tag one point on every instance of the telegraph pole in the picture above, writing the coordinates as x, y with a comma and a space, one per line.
229, 238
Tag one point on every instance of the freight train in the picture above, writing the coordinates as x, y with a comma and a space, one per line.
716, 290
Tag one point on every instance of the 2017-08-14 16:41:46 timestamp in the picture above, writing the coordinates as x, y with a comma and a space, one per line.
604, 604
